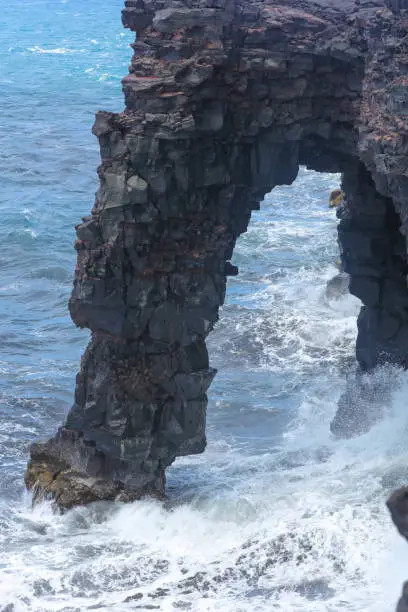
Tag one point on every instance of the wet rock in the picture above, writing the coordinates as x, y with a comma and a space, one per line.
361, 405
403, 602
398, 506
338, 286
71, 472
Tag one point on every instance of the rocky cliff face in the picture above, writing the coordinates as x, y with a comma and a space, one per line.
224, 100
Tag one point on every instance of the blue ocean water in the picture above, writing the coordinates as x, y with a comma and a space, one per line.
60, 63
276, 515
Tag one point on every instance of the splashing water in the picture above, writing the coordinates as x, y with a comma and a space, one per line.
277, 514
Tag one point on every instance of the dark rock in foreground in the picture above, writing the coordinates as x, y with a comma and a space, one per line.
71, 472
398, 506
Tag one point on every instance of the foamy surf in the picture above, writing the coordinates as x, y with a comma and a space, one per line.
57, 51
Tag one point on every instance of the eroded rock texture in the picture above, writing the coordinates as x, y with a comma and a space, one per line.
224, 100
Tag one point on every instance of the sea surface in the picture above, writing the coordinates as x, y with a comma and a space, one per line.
276, 515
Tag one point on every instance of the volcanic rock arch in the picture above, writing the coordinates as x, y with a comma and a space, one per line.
224, 100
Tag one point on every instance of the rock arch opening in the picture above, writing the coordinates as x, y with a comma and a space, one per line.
284, 328
224, 101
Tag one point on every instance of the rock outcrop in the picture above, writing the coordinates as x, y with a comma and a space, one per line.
224, 100
398, 507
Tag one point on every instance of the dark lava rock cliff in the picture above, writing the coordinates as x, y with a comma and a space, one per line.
224, 100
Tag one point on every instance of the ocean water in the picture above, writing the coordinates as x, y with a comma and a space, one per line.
276, 514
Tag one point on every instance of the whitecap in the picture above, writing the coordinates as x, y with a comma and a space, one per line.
30, 232
58, 51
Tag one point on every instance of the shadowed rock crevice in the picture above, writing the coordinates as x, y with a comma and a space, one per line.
374, 253
224, 100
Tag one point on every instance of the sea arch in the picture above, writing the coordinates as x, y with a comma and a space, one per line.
224, 100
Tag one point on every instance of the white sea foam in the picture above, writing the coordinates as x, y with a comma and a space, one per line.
58, 51
30, 232
106, 76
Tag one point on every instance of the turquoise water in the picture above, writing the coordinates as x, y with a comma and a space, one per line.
59, 64
276, 515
